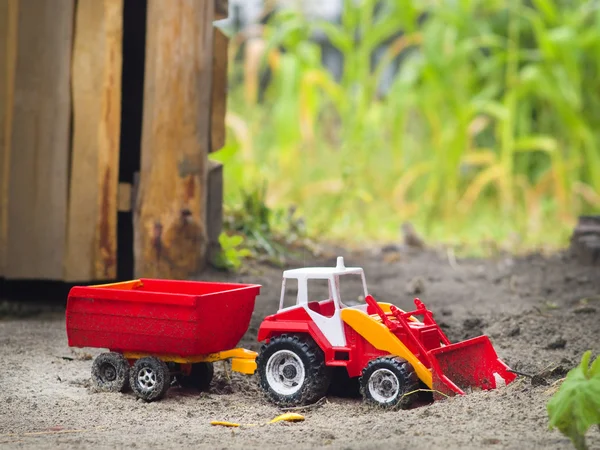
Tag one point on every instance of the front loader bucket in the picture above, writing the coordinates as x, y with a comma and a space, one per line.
468, 365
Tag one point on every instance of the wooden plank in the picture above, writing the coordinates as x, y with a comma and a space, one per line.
8, 42
218, 108
214, 208
96, 86
169, 220
40, 134
219, 90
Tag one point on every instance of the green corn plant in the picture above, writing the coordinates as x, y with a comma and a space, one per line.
576, 405
490, 124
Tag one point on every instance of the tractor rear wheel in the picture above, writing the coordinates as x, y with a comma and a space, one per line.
385, 381
200, 376
150, 378
292, 370
110, 372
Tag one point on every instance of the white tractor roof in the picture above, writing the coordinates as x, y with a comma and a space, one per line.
322, 272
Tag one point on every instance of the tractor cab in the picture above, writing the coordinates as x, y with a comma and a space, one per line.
324, 313
331, 275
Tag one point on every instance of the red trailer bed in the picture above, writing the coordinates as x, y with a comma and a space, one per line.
184, 318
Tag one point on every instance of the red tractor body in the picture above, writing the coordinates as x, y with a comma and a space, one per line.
372, 334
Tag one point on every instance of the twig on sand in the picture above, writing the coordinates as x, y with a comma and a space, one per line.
541, 313
540, 377
423, 390
520, 373
536, 380
315, 405
41, 433
554, 386
399, 405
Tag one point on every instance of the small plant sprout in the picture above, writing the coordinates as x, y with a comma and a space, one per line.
576, 405
231, 254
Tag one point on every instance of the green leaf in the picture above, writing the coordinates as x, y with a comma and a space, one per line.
244, 252
576, 405
595, 369
547, 8
230, 257
338, 37
536, 143
495, 109
235, 240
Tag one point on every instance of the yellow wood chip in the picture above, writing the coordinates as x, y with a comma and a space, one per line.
225, 424
288, 417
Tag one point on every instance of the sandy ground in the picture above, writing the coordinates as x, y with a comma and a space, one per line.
541, 314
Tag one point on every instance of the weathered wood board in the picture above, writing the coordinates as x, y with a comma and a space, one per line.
219, 79
170, 209
219, 90
8, 42
96, 87
39, 141
214, 208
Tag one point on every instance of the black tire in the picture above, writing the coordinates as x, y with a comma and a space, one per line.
303, 377
385, 380
199, 378
150, 378
110, 372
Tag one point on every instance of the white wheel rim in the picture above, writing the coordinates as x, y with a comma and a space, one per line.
384, 386
285, 372
146, 379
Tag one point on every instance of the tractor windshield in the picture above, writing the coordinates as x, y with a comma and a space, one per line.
352, 288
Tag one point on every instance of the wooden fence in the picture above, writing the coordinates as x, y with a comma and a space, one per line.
95, 94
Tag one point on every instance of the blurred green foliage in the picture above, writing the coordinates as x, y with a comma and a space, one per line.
575, 407
232, 252
489, 131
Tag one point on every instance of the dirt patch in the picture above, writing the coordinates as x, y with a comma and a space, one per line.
541, 314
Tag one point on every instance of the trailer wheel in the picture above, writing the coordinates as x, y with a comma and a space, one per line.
292, 370
110, 372
200, 377
385, 380
150, 378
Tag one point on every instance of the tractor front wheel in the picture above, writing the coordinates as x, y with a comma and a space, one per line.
386, 381
292, 370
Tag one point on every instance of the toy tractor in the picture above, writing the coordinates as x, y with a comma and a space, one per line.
391, 352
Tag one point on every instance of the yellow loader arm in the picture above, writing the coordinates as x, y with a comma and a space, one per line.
380, 337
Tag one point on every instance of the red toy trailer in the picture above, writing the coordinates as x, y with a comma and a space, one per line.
156, 329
